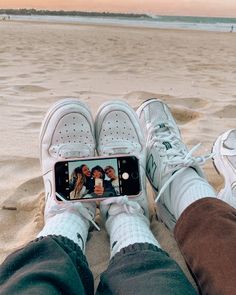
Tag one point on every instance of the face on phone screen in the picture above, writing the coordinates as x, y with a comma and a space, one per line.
97, 178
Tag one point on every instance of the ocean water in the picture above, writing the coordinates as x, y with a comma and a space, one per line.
146, 21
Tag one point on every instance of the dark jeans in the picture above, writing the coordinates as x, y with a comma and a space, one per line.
55, 265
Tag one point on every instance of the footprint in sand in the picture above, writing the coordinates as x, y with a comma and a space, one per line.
184, 115
138, 97
228, 111
33, 125
33, 113
30, 88
25, 195
25, 223
24, 209
3, 78
23, 75
190, 102
32, 186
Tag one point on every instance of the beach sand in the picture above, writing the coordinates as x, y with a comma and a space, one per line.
193, 72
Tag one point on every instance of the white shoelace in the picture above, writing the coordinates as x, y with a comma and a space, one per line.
76, 207
124, 205
177, 158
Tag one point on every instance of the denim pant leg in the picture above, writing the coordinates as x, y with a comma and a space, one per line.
47, 265
144, 269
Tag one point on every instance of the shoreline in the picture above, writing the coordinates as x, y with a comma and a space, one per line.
110, 22
113, 26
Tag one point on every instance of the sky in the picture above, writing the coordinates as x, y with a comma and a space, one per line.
225, 8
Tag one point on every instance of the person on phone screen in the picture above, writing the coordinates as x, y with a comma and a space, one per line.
111, 173
86, 174
79, 188
88, 177
102, 187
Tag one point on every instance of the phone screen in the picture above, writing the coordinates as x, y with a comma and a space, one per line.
97, 178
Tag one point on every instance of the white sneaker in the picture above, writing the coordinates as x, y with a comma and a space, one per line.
224, 150
167, 156
66, 132
118, 131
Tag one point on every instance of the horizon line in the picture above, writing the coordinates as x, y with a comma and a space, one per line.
116, 12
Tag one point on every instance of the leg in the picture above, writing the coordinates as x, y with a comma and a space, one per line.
55, 261
206, 236
48, 265
205, 229
142, 269
138, 265
220, 233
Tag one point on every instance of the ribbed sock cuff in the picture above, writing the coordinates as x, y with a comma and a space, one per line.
69, 225
127, 229
187, 188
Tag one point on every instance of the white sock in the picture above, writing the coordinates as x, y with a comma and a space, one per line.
185, 189
126, 229
69, 225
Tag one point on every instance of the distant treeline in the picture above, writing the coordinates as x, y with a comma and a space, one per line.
163, 18
33, 11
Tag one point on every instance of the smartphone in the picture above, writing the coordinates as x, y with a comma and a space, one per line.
98, 182
97, 178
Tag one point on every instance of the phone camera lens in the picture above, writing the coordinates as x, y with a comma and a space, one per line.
125, 175
134, 175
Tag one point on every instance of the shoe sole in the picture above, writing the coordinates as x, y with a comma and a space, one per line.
61, 104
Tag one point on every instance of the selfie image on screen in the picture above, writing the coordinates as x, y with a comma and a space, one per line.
93, 179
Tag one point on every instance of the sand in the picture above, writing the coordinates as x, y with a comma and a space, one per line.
193, 72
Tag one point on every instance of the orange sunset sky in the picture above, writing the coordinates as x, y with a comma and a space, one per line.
169, 7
